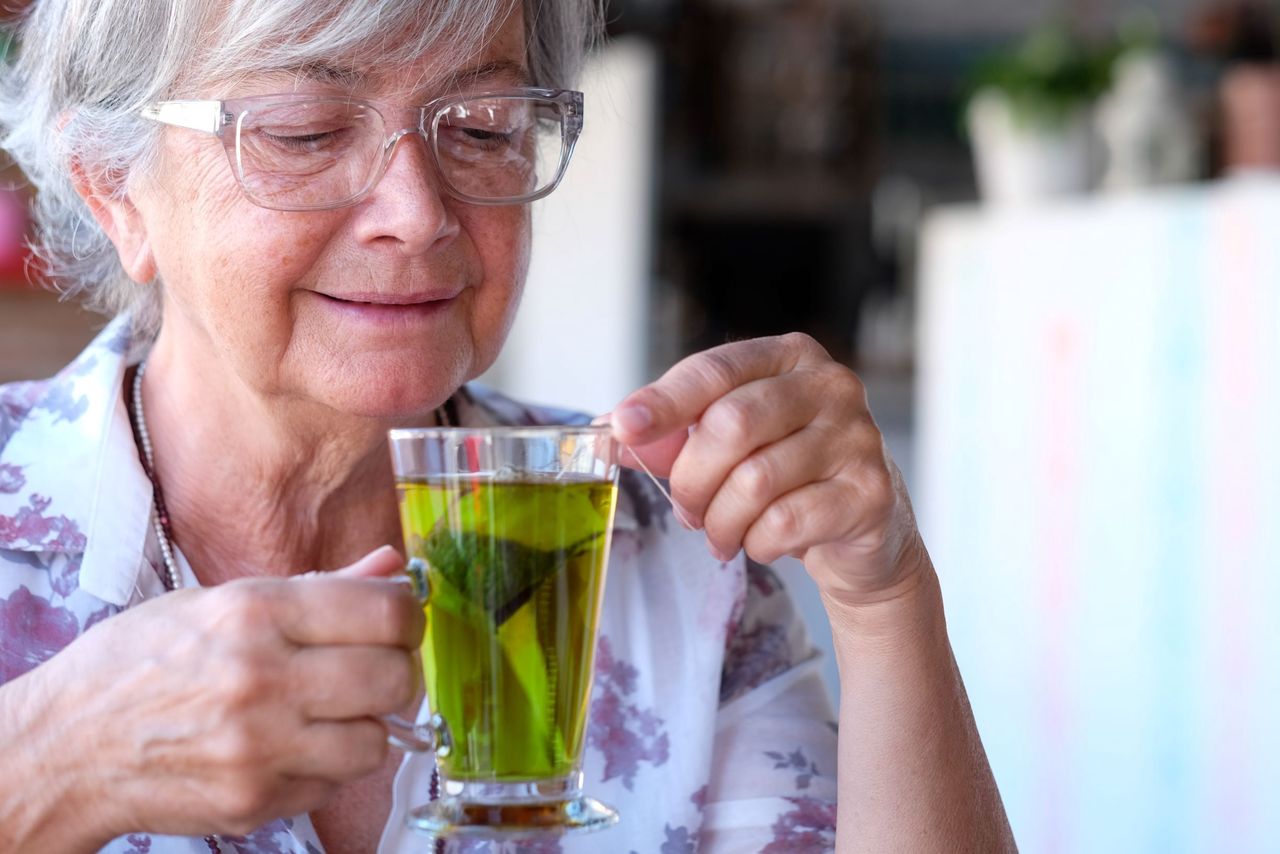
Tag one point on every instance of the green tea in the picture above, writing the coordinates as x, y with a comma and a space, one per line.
515, 572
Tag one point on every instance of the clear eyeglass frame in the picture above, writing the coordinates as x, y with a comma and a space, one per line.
224, 119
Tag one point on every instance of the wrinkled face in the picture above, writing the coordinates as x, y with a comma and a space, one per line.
380, 309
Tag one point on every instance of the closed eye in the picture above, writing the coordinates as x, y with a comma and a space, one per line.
303, 142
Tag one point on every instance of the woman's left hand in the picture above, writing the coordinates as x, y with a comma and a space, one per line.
769, 447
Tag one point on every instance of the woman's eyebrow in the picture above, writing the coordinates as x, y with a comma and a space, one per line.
497, 68
315, 72
329, 73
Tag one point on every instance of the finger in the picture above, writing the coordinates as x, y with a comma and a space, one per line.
382, 562
811, 515
340, 750
240, 815
344, 682
759, 480
329, 610
678, 398
656, 457
735, 426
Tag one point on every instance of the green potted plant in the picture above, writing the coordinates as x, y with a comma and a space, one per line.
1029, 115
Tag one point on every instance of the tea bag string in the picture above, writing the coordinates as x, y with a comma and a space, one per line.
680, 515
675, 508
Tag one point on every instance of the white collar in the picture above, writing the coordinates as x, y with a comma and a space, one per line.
83, 488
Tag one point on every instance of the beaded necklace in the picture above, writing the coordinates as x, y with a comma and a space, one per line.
171, 576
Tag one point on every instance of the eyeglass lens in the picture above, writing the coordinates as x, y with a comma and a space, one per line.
321, 153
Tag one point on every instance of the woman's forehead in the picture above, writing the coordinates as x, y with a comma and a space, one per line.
452, 43
407, 84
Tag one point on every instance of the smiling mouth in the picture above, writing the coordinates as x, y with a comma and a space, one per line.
388, 300
389, 311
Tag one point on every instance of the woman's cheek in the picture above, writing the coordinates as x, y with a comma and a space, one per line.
505, 250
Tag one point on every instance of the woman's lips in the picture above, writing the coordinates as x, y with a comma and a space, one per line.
387, 309
381, 298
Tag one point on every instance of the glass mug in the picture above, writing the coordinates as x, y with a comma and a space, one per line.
507, 533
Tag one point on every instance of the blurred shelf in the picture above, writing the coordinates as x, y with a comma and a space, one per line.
773, 196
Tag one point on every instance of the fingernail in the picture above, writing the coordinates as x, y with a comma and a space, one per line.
601, 420
634, 418
719, 555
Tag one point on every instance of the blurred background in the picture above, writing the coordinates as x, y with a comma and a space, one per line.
1045, 234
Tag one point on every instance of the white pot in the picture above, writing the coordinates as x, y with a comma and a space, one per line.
1019, 162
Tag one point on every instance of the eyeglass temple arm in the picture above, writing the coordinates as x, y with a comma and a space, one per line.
573, 111
204, 116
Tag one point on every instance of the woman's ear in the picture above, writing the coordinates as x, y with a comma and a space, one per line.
117, 215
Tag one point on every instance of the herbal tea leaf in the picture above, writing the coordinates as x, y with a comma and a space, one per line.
509, 572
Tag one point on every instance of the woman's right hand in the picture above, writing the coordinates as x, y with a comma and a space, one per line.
217, 710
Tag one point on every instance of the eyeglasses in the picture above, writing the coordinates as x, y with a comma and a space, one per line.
304, 153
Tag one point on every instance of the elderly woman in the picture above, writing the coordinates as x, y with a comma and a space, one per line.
310, 219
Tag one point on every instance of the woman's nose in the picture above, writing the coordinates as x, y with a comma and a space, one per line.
408, 205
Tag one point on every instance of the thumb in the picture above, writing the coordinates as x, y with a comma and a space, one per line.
382, 562
658, 456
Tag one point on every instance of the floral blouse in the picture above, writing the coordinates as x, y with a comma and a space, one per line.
710, 728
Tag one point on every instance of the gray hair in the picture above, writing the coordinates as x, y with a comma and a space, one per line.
86, 67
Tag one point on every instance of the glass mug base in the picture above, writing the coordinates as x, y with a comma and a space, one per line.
505, 811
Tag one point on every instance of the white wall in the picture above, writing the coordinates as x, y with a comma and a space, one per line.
1100, 490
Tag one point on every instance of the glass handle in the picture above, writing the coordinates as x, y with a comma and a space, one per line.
429, 736
416, 569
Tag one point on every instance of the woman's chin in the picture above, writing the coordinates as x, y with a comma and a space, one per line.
405, 409
402, 386
391, 399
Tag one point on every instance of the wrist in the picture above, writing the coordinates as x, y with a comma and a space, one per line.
858, 579
45, 804
910, 609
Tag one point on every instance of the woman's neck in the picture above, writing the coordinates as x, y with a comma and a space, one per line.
254, 489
